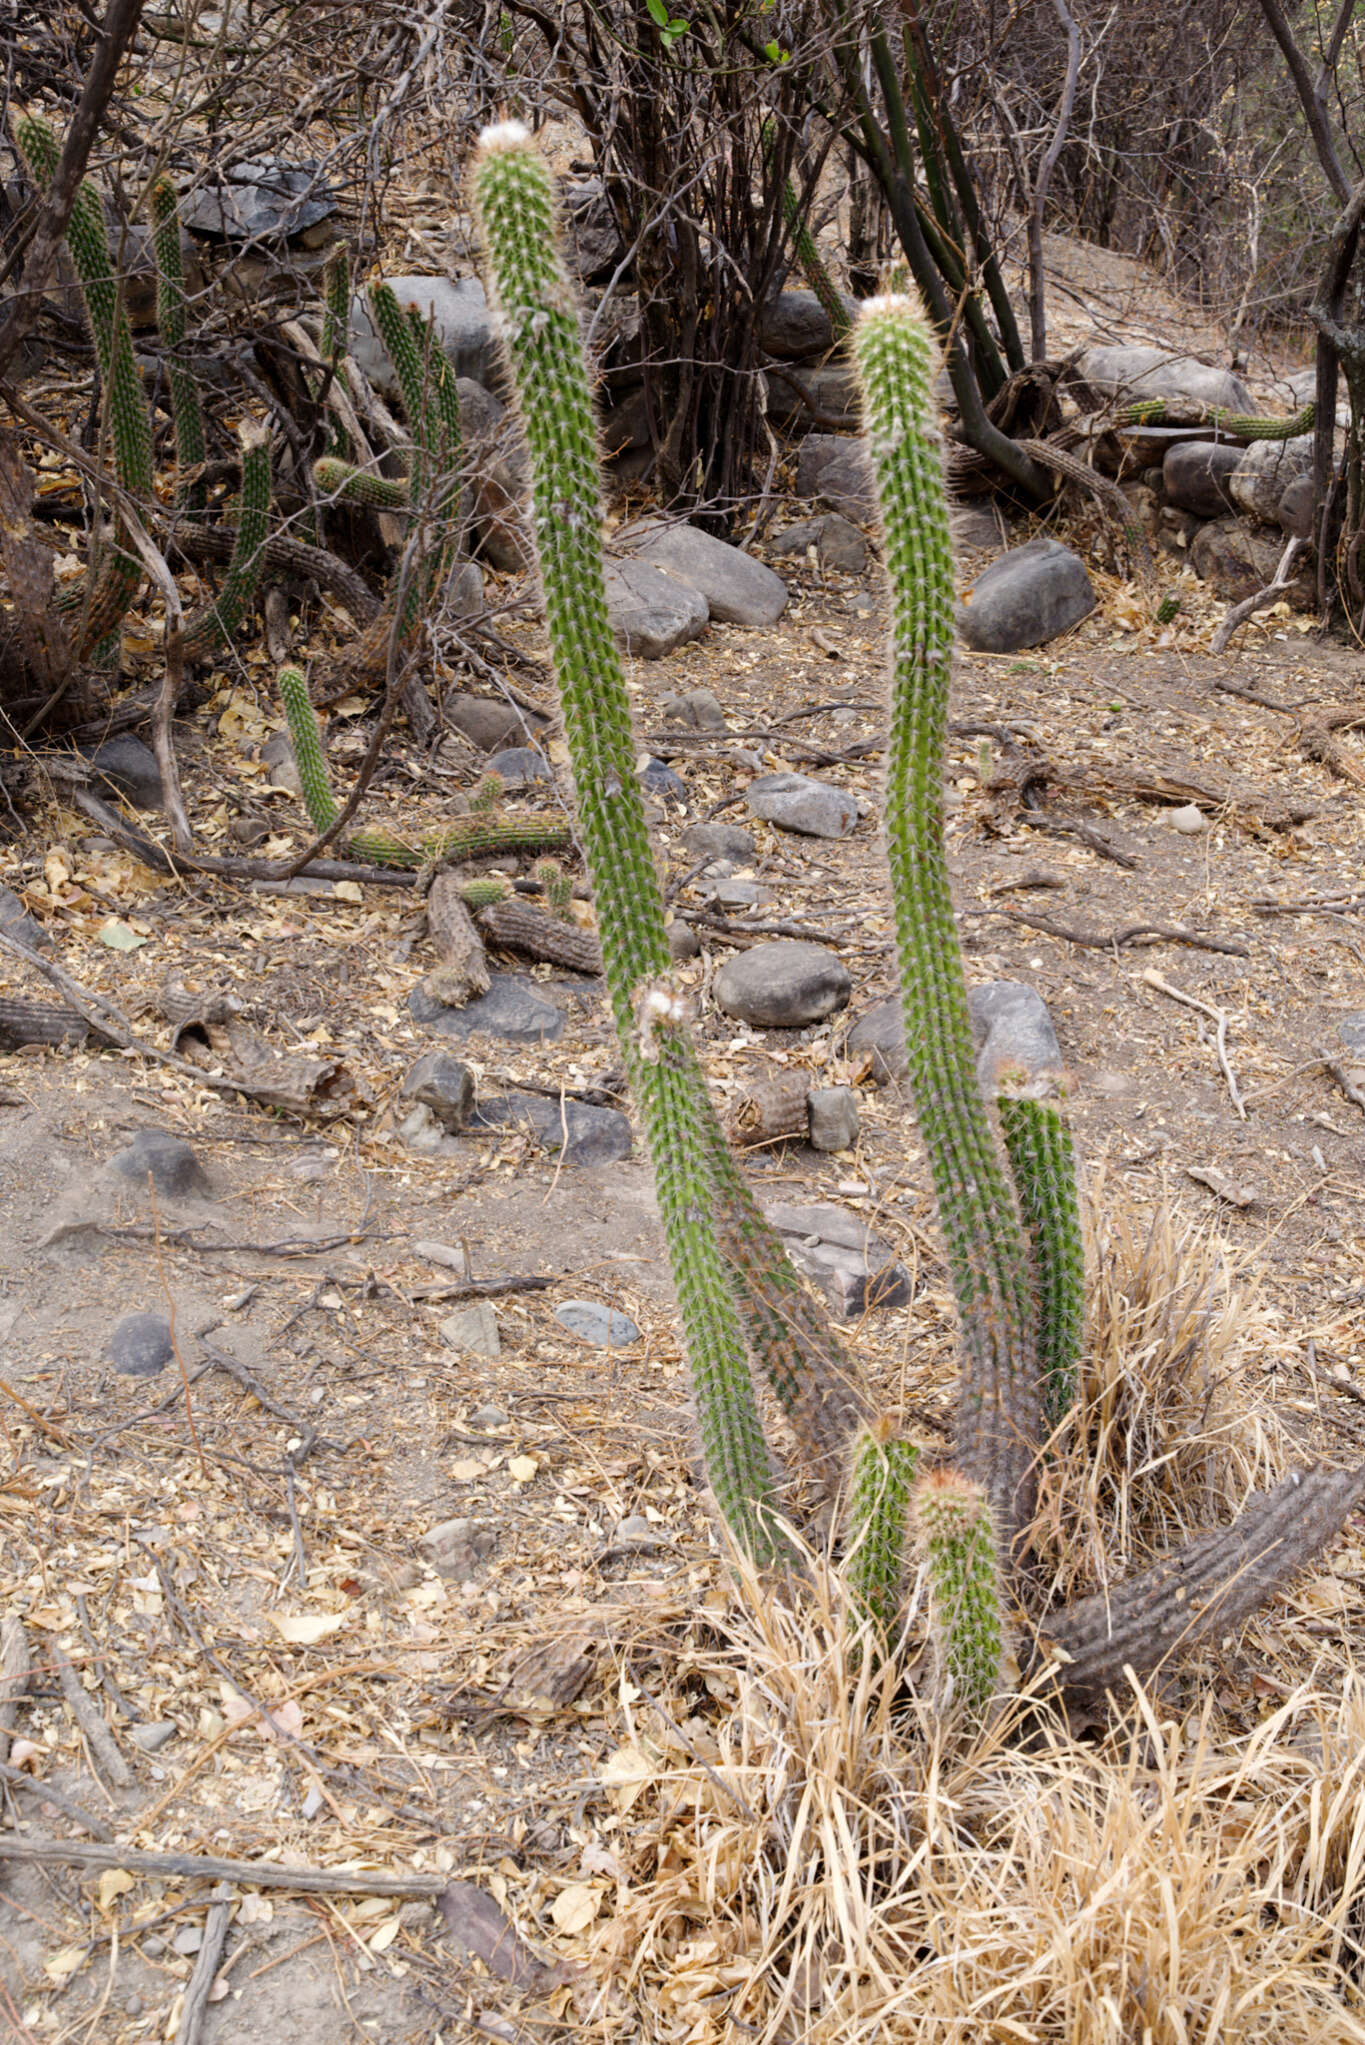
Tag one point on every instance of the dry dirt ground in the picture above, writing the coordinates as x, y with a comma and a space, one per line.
234, 1550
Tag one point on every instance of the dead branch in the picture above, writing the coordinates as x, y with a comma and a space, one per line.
255, 1874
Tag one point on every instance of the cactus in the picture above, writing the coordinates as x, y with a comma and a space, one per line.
998, 1415
1043, 1166
336, 305
952, 1519
884, 1469
1237, 425
118, 574
557, 884
337, 478
191, 446
813, 264
215, 625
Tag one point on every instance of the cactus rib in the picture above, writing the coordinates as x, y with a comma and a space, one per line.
1237, 425
1043, 1166
336, 478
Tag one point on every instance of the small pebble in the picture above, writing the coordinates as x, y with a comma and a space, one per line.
150, 1739
635, 1531
489, 1418
603, 1326
1189, 820
312, 1803
473, 1328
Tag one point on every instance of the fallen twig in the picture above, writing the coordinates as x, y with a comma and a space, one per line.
45, 1794
1114, 940
1238, 615
257, 1874
195, 2005
103, 1747
1217, 1016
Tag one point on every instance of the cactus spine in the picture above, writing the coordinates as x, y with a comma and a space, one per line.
1043, 1166
878, 1507
215, 625
191, 446
540, 334
998, 1415
953, 1521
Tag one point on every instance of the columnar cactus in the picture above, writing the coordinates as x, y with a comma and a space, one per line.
877, 1516
953, 1522
215, 625
998, 1421
191, 446
1043, 1166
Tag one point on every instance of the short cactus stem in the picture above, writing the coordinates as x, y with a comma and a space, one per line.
215, 625
877, 1516
336, 305
952, 1520
336, 478
191, 444
1043, 1166
998, 1409
404, 352
813, 264
540, 333
306, 740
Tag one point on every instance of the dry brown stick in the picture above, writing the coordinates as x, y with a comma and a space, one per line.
1317, 741
1217, 1016
88, 1716
1070, 827
47, 1795
195, 2005
1114, 940
1248, 607
14, 1673
40, 1421
258, 1874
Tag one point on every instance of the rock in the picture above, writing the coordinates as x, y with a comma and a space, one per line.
172, 1165
657, 778
833, 1112
1239, 558
188, 1940
580, 1133
1189, 820
782, 985
259, 199
625, 425
1351, 1030
512, 1008
463, 323
592, 239
481, 414
603, 1326
698, 709
651, 612
1015, 1040
442, 1085
520, 766
150, 1739
140, 1346
828, 392
1264, 473
838, 472
473, 1328
464, 590
450, 1256
1133, 373
130, 769
488, 1419
1296, 511
797, 802
718, 841
1195, 476
738, 589
683, 942
16, 923
635, 1531
881, 1035
502, 530
795, 324
421, 1132
853, 1267
458, 1547
973, 526
837, 544
489, 725
1030, 595
278, 755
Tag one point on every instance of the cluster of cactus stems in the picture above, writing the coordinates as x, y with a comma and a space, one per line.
1009, 1219
1237, 425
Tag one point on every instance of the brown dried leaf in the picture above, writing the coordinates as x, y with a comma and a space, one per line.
481, 1930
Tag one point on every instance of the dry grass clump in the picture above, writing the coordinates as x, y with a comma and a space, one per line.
817, 1864
1172, 1428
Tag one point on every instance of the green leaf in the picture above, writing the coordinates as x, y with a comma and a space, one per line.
118, 936
658, 13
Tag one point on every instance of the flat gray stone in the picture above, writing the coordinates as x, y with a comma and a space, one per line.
259, 199
797, 802
140, 1346
1029, 595
473, 1329
881, 1035
444, 1086
456, 1548
1238, 556
1296, 510
520, 766
16, 922
837, 471
578, 1132
603, 1326
1265, 471
1016, 1042
1139, 372
795, 324
1195, 476
489, 1419
833, 1112
683, 941
718, 841
738, 590
652, 612
463, 323
838, 544
660, 780
697, 709
782, 985
828, 391
150, 1739
129, 768
172, 1165
488, 725
512, 1008
839, 1252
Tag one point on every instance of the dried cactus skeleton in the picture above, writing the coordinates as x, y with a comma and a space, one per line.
1010, 1221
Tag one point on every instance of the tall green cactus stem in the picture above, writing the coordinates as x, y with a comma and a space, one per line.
336, 305
998, 1407
540, 334
1237, 425
878, 1508
191, 444
1043, 1166
443, 435
215, 625
471, 837
813, 263
119, 573
336, 478
952, 1519
404, 351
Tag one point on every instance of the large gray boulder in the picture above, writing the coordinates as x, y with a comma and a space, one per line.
651, 612
783, 985
1265, 471
1016, 1044
827, 390
1196, 474
738, 590
796, 326
798, 802
838, 472
1184, 383
1030, 595
463, 322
